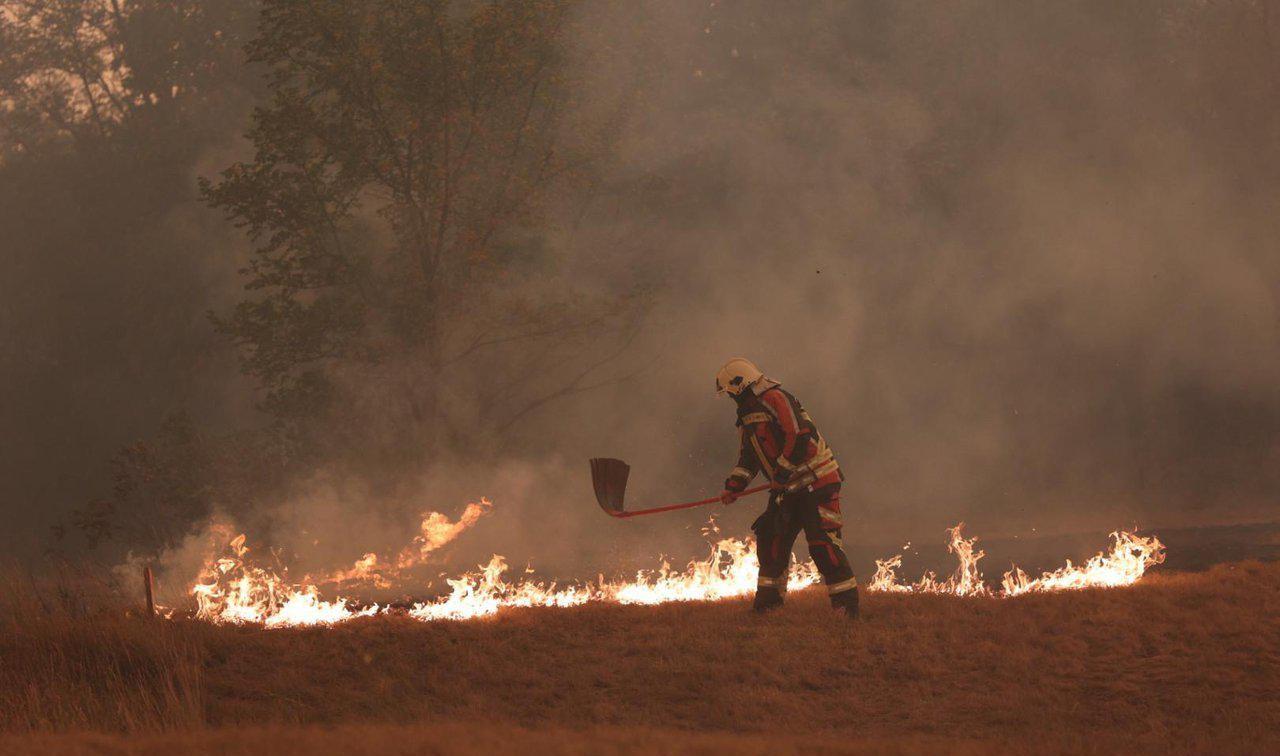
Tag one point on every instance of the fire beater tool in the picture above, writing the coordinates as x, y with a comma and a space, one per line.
609, 477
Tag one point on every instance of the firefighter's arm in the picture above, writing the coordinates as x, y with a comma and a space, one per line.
794, 445
743, 472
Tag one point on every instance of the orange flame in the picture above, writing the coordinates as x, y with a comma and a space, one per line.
1128, 560
1130, 557
229, 590
965, 581
232, 591
435, 531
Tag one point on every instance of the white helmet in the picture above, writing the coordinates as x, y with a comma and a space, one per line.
737, 375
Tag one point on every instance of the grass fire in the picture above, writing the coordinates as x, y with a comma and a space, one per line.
639, 376
231, 590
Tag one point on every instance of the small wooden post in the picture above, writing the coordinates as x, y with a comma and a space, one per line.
148, 585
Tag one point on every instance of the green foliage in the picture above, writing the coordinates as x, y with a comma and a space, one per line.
394, 197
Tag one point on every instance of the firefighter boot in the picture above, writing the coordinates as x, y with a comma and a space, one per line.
767, 599
846, 601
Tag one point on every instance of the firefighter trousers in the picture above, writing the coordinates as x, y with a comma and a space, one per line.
817, 514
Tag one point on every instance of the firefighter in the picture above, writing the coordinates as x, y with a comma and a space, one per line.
778, 438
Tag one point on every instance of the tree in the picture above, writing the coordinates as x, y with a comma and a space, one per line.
106, 106
394, 197
80, 70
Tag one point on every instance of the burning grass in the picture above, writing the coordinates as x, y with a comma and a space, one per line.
232, 589
1177, 662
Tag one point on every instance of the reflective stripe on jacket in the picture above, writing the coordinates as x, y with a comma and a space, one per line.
776, 434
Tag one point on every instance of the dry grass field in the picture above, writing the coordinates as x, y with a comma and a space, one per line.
1183, 662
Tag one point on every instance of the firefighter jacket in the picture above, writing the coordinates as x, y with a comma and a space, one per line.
778, 438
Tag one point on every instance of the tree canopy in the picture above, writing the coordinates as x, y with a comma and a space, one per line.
394, 198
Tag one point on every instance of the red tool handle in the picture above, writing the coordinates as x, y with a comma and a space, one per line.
670, 507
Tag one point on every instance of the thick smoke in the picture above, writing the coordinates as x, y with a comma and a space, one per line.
1018, 260
1012, 260
1020, 270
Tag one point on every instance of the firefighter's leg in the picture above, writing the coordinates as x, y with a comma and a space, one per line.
822, 528
776, 531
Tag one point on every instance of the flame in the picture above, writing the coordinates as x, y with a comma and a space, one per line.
965, 581
364, 569
434, 531
1131, 555
231, 590
729, 570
